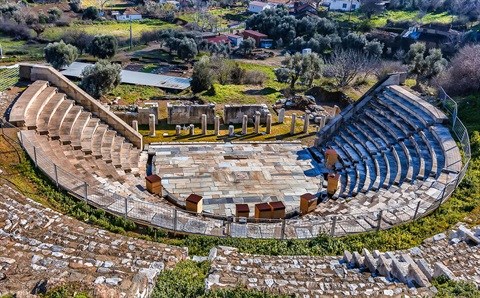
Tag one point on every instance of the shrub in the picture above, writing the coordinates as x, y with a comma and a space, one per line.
60, 54
15, 30
91, 13
100, 78
103, 46
75, 5
254, 77
79, 39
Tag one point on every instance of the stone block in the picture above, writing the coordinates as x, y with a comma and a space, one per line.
441, 270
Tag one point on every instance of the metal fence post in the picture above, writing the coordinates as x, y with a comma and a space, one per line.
282, 236
85, 187
35, 156
332, 231
126, 207
379, 220
175, 219
416, 210
56, 174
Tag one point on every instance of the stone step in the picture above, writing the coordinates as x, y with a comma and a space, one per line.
67, 124
414, 120
96, 140
116, 151
47, 111
57, 119
21, 105
87, 135
106, 147
36, 105
77, 130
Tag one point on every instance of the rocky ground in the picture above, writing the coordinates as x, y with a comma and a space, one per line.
40, 249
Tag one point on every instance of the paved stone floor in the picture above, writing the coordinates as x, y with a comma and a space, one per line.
226, 174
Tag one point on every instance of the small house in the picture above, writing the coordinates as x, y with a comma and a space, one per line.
257, 6
218, 39
344, 5
235, 40
257, 36
130, 14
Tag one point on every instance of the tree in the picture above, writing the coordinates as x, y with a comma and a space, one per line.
247, 45
371, 7
463, 77
344, 66
100, 78
54, 14
60, 54
187, 49
91, 13
299, 66
424, 66
103, 46
202, 76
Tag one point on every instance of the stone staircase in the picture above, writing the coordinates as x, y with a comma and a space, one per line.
398, 273
396, 148
76, 140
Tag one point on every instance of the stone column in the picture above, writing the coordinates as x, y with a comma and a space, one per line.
306, 122
281, 115
192, 129
257, 122
244, 124
178, 130
231, 131
217, 125
204, 124
322, 123
337, 110
151, 125
292, 125
135, 125
269, 124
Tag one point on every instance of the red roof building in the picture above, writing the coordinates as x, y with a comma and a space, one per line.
257, 36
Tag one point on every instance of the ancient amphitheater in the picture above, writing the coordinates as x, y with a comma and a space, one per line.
388, 159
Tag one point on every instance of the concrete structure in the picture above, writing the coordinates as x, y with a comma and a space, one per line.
257, 122
344, 5
257, 36
244, 124
268, 129
192, 129
234, 113
217, 125
151, 125
281, 115
178, 130
135, 125
189, 113
257, 6
306, 122
231, 131
141, 114
135, 77
129, 14
46, 73
235, 40
293, 124
204, 124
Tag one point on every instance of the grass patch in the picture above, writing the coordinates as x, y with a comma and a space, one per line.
130, 94
187, 280
450, 288
393, 15
20, 50
118, 29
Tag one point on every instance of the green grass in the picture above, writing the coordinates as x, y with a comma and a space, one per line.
453, 289
129, 94
394, 15
118, 29
20, 50
247, 94
187, 280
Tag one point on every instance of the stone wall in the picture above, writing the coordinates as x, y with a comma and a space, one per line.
234, 113
40, 72
141, 115
190, 113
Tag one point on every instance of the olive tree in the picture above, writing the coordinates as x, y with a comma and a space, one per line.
103, 46
60, 54
100, 78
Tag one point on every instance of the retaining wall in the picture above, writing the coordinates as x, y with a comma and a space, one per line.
190, 114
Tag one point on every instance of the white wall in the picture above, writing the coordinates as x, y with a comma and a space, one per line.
256, 9
133, 17
344, 5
